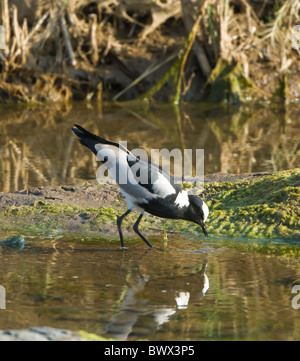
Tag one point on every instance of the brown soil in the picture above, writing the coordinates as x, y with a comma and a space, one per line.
92, 194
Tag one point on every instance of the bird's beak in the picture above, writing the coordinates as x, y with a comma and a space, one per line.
202, 224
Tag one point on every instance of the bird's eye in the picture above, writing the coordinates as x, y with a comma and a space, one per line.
200, 214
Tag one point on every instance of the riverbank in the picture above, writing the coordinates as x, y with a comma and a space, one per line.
175, 50
250, 206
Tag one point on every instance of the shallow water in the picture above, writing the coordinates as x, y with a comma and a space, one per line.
190, 290
193, 288
37, 146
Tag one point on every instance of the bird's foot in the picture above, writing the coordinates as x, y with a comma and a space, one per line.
165, 240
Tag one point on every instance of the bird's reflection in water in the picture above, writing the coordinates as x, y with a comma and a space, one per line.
138, 315
197, 280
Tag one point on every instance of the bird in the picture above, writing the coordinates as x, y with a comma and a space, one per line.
145, 186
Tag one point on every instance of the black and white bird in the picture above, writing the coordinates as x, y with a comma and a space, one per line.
145, 186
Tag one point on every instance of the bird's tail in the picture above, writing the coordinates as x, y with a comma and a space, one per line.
89, 139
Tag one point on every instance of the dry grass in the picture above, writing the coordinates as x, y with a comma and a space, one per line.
71, 41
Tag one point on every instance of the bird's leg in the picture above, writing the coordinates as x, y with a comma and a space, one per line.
119, 223
137, 231
165, 235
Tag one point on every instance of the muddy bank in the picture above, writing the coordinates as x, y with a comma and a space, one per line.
45, 333
254, 206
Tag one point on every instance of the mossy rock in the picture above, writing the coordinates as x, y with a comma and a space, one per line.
228, 83
281, 92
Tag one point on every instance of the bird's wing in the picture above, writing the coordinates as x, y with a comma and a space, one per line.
135, 176
152, 177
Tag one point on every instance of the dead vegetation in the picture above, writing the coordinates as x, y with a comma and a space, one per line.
222, 51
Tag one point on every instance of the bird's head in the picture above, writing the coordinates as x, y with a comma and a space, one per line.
198, 212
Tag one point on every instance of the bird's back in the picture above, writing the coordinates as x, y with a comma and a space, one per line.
139, 180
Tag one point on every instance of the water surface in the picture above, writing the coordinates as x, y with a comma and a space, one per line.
191, 290
37, 146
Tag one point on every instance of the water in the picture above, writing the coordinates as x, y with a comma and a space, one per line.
37, 146
190, 290
193, 289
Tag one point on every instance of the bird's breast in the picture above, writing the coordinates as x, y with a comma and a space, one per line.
163, 208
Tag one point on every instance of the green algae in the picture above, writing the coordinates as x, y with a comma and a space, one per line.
15, 242
228, 83
53, 218
266, 207
39, 207
87, 336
